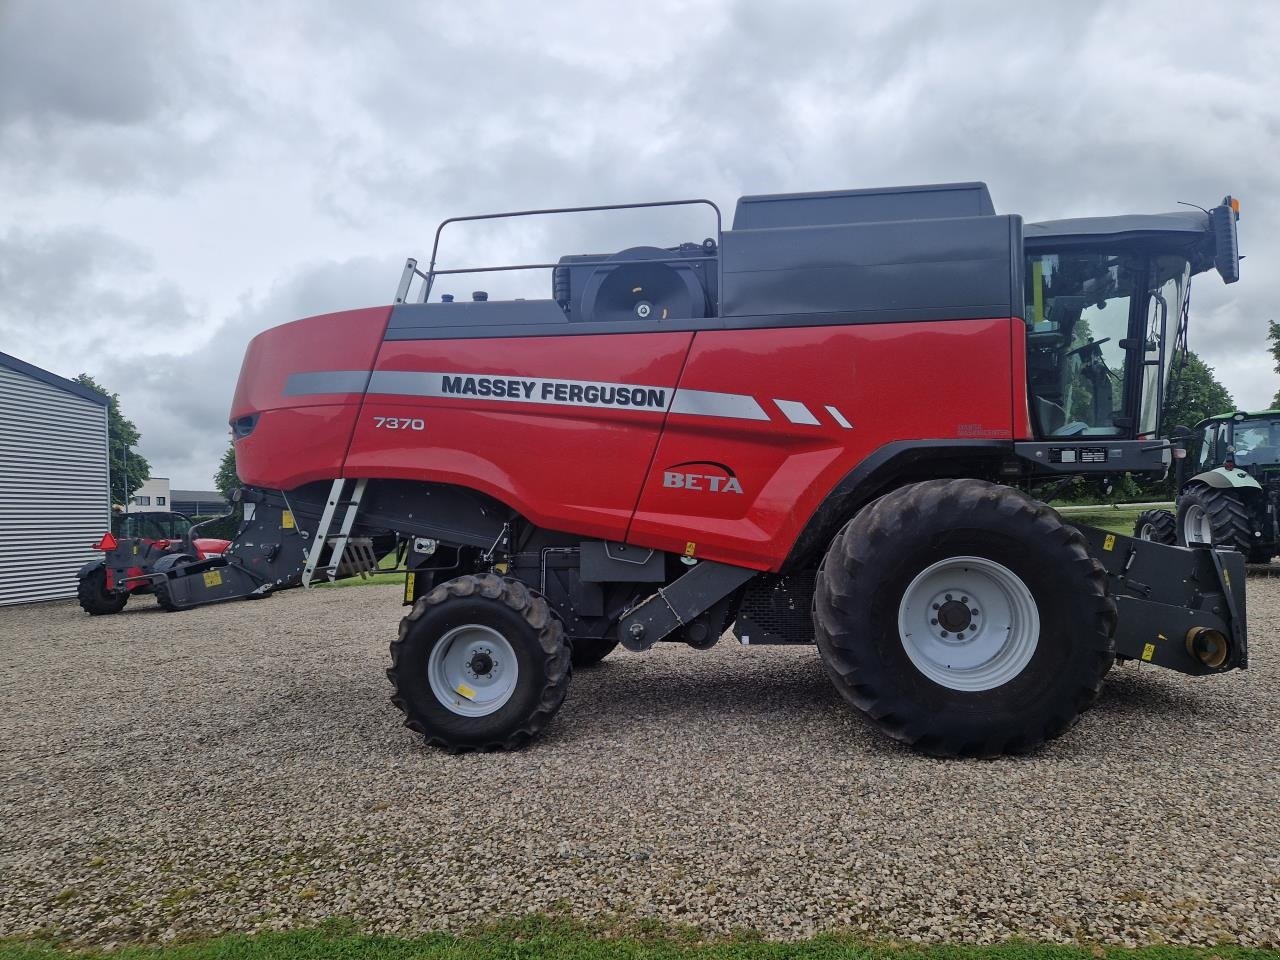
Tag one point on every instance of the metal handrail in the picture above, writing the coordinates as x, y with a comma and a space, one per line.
411, 265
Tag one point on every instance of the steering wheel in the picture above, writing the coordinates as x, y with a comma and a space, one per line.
1085, 346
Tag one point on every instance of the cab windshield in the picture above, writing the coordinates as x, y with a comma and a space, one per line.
1256, 442
1097, 331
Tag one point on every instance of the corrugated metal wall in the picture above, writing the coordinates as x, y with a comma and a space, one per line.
55, 498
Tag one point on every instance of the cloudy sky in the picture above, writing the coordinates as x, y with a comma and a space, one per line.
177, 176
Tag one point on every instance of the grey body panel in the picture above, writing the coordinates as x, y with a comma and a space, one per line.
967, 265
923, 202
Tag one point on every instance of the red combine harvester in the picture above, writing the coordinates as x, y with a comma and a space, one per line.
815, 426
135, 553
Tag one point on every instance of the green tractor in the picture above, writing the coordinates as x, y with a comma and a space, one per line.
1234, 499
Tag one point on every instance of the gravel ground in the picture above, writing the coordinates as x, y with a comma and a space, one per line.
240, 767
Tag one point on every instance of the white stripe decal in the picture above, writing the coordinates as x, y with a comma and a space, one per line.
705, 403
554, 392
797, 412
839, 417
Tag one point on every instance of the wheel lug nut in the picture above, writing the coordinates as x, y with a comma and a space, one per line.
945, 634
934, 621
974, 612
948, 596
964, 599
936, 606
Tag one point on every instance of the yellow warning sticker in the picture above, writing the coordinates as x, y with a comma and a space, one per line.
1148, 651
689, 548
286, 520
213, 578
1226, 577
466, 691
1109, 542
408, 587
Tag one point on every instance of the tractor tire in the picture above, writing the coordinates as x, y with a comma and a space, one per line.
1158, 526
95, 599
1220, 517
588, 651
480, 663
161, 587
896, 599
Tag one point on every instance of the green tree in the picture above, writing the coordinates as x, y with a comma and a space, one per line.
1194, 393
1273, 334
226, 478
128, 468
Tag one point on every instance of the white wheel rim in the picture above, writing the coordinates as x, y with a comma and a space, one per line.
473, 670
999, 628
1144, 533
1195, 525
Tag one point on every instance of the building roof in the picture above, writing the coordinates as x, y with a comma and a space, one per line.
44, 376
196, 495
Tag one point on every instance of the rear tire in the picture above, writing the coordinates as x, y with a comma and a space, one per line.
1206, 515
588, 651
480, 664
95, 599
1158, 526
964, 545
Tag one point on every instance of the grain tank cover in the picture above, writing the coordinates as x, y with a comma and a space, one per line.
928, 202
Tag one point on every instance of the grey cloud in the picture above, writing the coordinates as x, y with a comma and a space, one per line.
114, 95
83, 291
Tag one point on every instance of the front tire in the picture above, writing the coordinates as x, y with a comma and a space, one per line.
1158, 526
94, 597
480, 664
160, 587
964, 619
1218, 517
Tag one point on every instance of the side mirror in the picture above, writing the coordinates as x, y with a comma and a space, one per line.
1226, 241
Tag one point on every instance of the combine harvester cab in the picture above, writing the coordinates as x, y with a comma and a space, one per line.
820, 425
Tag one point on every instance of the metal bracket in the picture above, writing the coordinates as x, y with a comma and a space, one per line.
677, 603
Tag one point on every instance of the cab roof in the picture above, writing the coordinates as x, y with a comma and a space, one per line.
1248, 415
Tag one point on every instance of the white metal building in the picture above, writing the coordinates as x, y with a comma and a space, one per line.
55, 495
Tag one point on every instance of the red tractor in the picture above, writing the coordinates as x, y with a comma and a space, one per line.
821, 425
135, 554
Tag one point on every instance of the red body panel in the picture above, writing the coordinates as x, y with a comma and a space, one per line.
807, 405
300, 439
209, 546
898, 381
568, 468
